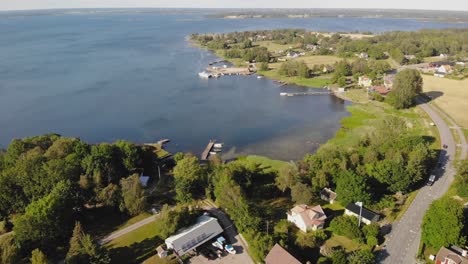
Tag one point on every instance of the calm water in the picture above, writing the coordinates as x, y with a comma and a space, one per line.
103, 77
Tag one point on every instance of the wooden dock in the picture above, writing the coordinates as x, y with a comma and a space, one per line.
206, 153
229, 71
305, 93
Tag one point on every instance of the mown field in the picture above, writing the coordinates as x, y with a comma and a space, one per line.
450, 95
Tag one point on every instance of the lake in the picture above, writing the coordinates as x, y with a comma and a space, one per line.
132, 75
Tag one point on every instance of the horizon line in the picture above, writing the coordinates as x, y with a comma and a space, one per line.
236, 8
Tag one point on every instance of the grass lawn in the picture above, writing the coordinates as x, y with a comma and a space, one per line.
316, 82
135, 246
340, 241
266, 163
465, 131
311, 61
450, 95
272, 47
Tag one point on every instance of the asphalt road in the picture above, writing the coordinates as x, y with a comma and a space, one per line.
401, 245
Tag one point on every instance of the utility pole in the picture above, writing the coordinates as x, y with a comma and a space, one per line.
159, 172
268, 233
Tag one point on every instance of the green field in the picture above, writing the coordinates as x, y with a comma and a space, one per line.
317, 82
266, 163
272, 47
340, 241
135, 246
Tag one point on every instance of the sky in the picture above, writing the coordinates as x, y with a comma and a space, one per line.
461, 5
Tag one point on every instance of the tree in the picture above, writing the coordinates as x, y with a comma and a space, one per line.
311, 239
346, 226
338, 256
352, 187
407, 85
301, 193
131, 155
37, 257
286, 178
443, 224
462, 176
363, 256
83, 249
133, 194
9, 253
187, 175
48, 219
264, 66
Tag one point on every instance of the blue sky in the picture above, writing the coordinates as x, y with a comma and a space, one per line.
401, 4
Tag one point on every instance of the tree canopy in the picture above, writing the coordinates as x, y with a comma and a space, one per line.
407, 85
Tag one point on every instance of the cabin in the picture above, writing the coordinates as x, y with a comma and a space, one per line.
452, 255
367, 216
162, 252
328, 195
312, 47
410, 57
327, 69
292, 54
307, 218
193, 236
364, 81
279, 255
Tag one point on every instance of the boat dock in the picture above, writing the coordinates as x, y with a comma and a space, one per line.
220, 71
212, 148
216, 62
306, 93
206, 153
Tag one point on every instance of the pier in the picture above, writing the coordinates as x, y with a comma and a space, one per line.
206, 153
305, 93
220, 71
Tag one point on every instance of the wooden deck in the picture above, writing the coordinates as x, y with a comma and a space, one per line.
206, 152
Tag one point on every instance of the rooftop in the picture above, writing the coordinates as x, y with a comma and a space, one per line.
279, 255
367, 214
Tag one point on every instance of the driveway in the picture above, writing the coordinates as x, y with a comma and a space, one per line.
401, 245
128, 229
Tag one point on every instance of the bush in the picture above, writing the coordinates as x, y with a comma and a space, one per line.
347, 226
264, 66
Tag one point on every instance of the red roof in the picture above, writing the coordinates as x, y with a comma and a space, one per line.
380, 89
279, 255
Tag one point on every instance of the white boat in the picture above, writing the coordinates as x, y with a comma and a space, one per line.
259, 77
204, 75
283, 94
218, 145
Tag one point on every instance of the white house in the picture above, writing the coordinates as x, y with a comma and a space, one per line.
367, 216
307, 218
292, 54
363, 55
364, 81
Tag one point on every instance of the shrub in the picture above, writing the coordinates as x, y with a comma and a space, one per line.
347, 226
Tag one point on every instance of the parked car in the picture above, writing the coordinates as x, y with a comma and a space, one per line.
221, 240
230, 249
207, 254
216, 244
431, 180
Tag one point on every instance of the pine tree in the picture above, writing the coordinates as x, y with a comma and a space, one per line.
76, 249
37, 257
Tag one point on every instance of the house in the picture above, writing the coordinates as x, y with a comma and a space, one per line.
363, 55
382, 90
191, 237
292, 54
144, 180
364, 81
446, 68
452, 255
410, 57
279, 255
462, 63
388, 80
367, 216
443, 55
328, 195
307, 218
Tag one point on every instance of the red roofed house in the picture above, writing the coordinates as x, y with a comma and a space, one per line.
279, 255
382, 90
454, 255
307, 218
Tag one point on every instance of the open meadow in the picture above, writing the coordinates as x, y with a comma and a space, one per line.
450, 95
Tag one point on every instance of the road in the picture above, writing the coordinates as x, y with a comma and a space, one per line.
126, 230
402, 243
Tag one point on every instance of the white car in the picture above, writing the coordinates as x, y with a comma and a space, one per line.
230, 249
216, 244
